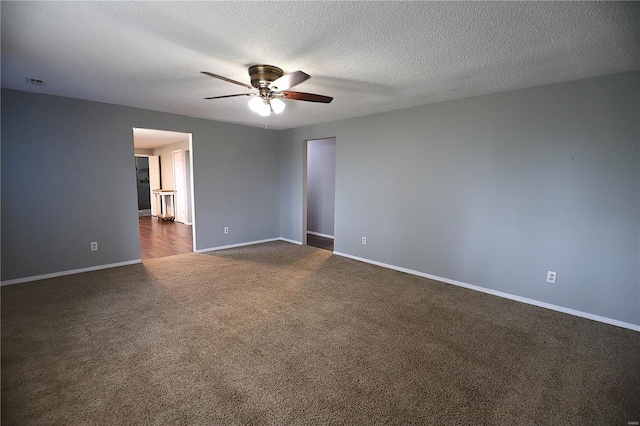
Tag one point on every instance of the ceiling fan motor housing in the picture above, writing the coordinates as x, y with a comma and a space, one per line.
264, 75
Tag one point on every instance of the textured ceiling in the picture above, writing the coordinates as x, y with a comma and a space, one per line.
370, 56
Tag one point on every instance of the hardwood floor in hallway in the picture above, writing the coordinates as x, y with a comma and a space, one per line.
320, 242
161, 239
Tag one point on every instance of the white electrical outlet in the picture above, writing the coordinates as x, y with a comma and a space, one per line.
226, 229
94, 246
364, 240
551, 277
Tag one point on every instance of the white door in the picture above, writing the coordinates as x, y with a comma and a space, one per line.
154, 182
179, 186
187, 184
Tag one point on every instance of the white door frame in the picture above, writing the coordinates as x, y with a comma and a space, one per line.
154, 198
192, 186
179, 185
192, 189
305, 160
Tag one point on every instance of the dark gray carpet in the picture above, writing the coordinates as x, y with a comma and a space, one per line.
283, 334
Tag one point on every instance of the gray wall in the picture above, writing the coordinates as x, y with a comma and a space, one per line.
68, 179
491, 191
321, 185
494, 191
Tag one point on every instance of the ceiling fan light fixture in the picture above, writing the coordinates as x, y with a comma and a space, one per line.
264, 106
265, 111
277, 105
256, 103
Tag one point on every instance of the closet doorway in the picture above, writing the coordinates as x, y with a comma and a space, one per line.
164, 178
320, 193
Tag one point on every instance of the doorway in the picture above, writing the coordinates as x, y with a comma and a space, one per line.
179, 185
319, 193
143, 185
167, 227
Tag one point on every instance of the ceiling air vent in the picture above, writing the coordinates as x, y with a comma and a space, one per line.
36, 81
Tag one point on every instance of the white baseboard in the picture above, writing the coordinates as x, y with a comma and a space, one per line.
69, 272
526, 300
128, 262
290, 241
320, 235
249, 243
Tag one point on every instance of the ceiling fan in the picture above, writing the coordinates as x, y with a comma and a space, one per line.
272, 84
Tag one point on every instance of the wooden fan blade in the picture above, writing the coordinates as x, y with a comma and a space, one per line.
289, 80
309, 97
230, 96
226, 79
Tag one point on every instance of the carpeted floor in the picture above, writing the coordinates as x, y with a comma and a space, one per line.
285, 334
